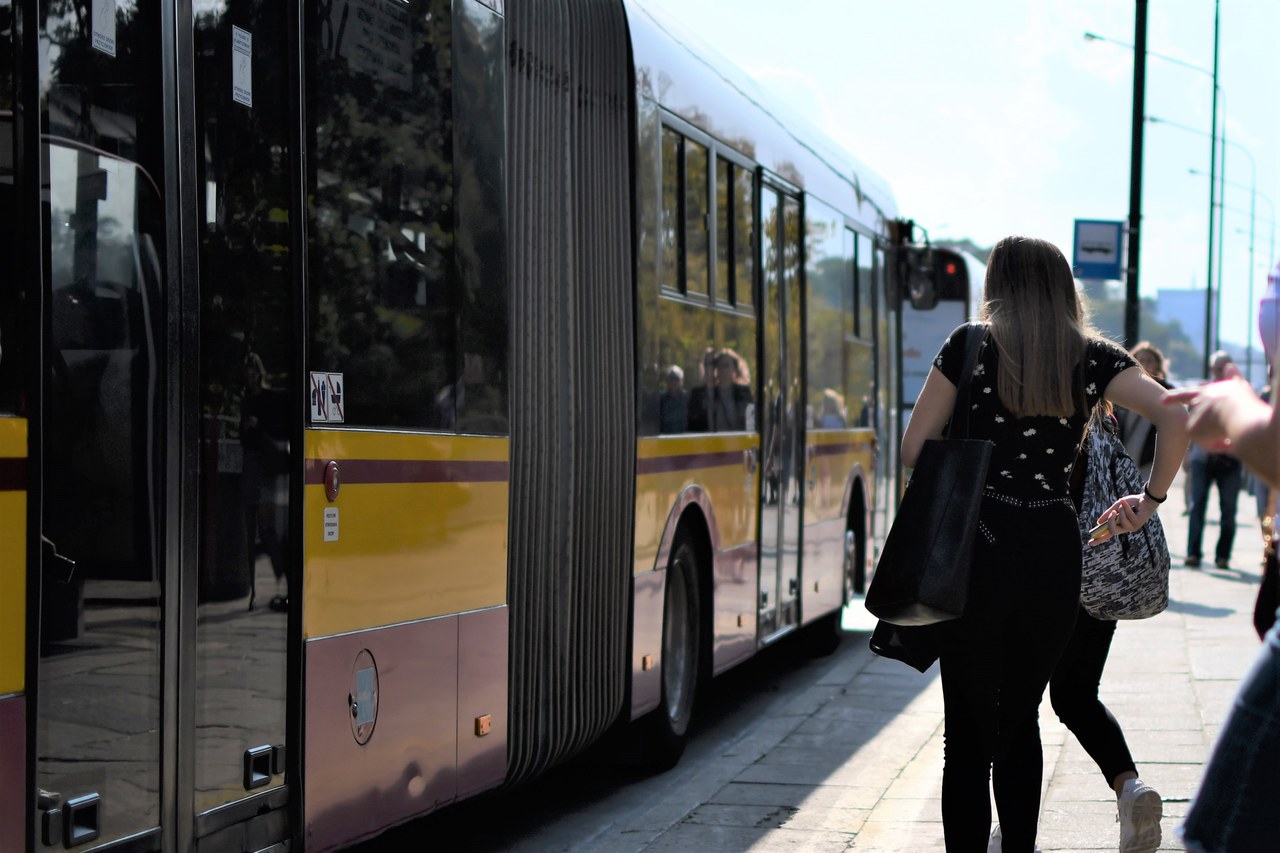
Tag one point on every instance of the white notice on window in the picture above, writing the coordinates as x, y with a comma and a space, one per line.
104, 26
331, 524
242, 66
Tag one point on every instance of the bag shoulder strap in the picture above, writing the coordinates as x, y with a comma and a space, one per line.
975, 334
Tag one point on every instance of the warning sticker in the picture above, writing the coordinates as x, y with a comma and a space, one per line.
242, 66
104, 26
327, 405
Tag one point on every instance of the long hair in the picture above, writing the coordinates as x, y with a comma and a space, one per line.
1037, 324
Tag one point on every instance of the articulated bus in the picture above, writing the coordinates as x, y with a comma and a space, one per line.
400, 394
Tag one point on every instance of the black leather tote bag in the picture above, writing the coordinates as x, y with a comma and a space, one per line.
922, 576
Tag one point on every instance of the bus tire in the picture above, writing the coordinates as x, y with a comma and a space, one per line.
681, 659
824, 635
855, 559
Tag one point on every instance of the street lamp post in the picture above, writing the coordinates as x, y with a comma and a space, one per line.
1131, 301
1213, 165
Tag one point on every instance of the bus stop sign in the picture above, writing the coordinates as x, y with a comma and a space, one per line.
1097, 249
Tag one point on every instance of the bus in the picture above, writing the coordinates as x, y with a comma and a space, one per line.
397, 395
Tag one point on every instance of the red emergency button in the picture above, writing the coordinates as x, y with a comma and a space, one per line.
331, 480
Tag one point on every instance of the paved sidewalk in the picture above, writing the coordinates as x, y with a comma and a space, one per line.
856, 763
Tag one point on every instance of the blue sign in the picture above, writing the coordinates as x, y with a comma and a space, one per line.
1098, 249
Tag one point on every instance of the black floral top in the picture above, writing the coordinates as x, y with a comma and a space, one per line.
1033, 456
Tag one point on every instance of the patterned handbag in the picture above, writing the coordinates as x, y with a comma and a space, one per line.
1125, 576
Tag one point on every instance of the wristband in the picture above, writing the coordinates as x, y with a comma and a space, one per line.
1146, 490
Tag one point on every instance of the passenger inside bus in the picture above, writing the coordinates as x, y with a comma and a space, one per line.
673, 403
724, 403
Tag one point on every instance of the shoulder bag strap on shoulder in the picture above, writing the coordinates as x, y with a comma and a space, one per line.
974, 336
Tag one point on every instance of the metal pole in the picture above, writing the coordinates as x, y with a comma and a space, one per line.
1213, 174
1131, 297
1248, 314
1222, 230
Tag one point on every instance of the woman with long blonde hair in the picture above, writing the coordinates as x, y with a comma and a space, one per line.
1040, 373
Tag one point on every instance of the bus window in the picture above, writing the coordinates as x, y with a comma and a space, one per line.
384, 289
724, 234
744, 231
697, 237
11, 291
672, 166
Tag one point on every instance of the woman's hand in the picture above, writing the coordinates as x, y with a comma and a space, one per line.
1126, 516
1218, 409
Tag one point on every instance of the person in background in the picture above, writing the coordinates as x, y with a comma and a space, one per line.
724, 404
833, 413
1138, 433
1235, 808
1073, 690
1040, 373
1210, 468
673, 404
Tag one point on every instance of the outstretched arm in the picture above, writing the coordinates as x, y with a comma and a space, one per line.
1228, 417
1136, 391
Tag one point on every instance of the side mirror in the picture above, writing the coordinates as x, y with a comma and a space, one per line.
932, 274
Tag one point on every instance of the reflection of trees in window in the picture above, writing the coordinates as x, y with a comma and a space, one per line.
824, 306
383, 295
744, 227
697, 238
243, 181
670, 229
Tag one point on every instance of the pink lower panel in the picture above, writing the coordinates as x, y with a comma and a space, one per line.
646, 641
482, 692
13, 771
737, 591
822, 584
408, 765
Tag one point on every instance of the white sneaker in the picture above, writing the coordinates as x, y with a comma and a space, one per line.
1140, 813
994, 844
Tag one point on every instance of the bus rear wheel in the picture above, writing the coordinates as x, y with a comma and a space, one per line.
681, 660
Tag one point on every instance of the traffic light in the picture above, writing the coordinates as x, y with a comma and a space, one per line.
933, 274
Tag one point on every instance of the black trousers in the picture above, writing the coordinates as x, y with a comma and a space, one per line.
1073, 690
1024, 596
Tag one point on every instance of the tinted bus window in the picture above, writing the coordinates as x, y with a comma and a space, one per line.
724, 235
744, 234
672, 161
827, 283
383, 290
10, 291
697, 239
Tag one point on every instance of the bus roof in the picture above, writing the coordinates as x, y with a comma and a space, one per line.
683, 74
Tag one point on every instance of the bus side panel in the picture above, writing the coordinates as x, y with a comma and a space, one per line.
406, 627
646, 682
13, 775
13, 632
412, 512
482, 686
13, 544
832, 455
406, 767
674, 473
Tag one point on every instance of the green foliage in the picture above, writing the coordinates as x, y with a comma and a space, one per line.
1183, 356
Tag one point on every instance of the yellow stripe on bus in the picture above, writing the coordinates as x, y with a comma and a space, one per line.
413, 541
13, 568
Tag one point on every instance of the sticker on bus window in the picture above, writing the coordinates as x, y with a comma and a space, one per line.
104, 26
242, 66
327, 405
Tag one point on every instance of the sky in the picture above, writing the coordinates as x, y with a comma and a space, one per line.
999, 117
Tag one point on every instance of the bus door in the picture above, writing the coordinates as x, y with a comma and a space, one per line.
163, 429
782, 411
